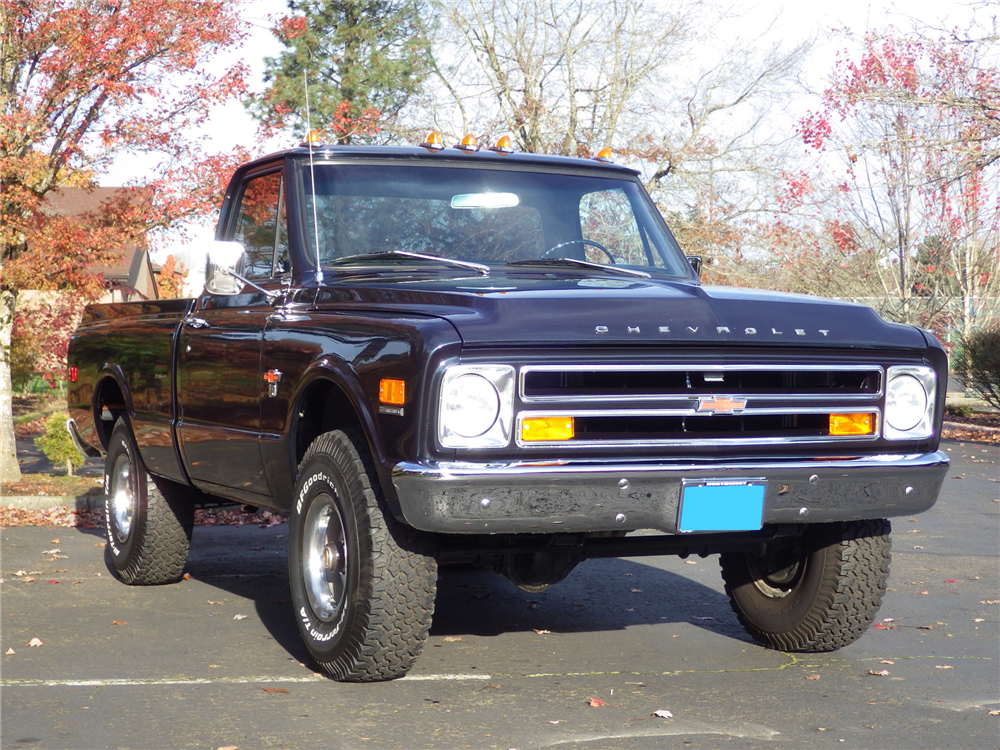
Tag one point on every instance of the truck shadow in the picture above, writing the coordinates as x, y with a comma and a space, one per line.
599, 595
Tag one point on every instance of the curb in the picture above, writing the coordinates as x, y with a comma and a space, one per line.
970, 428
45, 502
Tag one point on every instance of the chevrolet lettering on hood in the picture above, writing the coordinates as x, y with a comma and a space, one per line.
720, 330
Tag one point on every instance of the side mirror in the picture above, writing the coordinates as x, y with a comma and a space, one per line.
696, 263
222, 261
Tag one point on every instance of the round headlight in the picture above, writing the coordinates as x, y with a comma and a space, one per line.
471, 405
905, 403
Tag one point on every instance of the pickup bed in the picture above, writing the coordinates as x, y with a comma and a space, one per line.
430, 356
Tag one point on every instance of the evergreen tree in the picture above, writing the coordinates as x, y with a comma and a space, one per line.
364, 59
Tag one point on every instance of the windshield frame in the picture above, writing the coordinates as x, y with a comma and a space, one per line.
650, 225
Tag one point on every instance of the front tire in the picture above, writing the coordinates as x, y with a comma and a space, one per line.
148, 521
363, 585
818, 592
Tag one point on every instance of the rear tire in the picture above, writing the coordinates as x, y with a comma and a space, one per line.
148, 520
817, 592
363, 584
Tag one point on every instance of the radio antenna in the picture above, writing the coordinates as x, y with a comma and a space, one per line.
312, 177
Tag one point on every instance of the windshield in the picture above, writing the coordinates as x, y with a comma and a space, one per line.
485, 216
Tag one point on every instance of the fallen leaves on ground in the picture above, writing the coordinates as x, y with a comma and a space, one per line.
663, 714
812, 676
275, 690
35, 642
94, 519
878, 672
596, 703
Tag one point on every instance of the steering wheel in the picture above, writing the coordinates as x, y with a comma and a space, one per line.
548, 253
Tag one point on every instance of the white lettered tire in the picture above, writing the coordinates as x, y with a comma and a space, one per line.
362, 584
148, 521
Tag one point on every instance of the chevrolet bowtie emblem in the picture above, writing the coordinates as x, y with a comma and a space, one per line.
273, 377
721, 404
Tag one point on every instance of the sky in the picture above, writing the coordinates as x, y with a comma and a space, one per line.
790, 21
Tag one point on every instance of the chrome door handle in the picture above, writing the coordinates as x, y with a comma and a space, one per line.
198, 323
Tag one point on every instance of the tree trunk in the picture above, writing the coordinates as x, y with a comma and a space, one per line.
9, 470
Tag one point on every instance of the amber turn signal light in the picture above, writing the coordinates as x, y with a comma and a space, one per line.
392, 391
852, 424
534, 429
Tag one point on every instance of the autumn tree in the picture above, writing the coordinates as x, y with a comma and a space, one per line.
363, 59
171, 279
81, 84
914, 123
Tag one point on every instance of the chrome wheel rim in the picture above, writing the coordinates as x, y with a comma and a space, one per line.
777, 574
324, 557
122, 497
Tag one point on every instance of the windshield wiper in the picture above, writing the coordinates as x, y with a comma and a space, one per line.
582, 264
396, 254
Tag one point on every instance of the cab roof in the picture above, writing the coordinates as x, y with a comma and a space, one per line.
484, 156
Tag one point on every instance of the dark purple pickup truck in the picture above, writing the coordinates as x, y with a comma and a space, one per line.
446, 355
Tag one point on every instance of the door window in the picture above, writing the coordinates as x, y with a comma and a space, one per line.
262, 227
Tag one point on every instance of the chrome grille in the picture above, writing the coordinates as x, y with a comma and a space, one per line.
677, 405
654, 382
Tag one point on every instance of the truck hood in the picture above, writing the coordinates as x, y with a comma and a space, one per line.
539, 309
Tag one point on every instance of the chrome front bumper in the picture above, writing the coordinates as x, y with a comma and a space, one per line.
580, 497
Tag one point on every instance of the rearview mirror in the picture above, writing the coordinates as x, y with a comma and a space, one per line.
485, 200
696, 263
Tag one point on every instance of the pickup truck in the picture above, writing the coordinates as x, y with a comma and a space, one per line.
432, 355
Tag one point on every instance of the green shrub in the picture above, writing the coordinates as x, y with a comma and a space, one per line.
57, 445
958, 410
978, 363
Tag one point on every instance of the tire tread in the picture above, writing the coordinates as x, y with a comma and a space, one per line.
854, 576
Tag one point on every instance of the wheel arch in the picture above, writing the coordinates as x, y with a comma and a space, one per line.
112, 394
329, 401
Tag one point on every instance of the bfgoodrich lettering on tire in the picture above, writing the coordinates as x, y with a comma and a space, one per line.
817, 592
362, 585
148, 521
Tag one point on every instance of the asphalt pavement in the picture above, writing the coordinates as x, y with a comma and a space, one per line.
215, 661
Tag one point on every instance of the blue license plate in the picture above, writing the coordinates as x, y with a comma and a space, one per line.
721, 505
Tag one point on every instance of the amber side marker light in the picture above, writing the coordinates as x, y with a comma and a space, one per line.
534, 429
392, 391
852, 424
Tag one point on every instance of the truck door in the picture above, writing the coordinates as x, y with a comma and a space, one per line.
219, 368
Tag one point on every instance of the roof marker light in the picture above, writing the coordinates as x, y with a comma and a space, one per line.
434, 141
503, 146
313, 139
604, 155
468, 144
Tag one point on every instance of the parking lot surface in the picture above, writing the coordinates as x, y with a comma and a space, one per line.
215, 661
